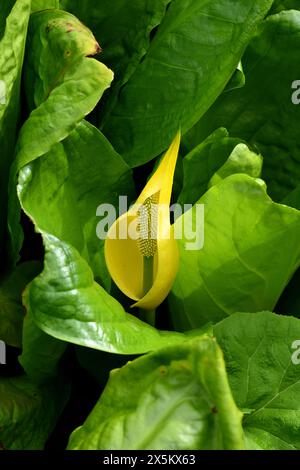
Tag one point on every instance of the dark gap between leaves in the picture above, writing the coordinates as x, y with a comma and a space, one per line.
32, 249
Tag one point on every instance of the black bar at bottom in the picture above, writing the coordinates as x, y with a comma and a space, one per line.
134, 459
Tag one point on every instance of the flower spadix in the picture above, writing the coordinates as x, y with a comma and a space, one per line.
140, 249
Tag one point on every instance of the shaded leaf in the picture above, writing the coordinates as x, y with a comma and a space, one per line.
28, 412
11, 309
41, 353
192, 57
289, 302
280, 5
125, 44
202, 162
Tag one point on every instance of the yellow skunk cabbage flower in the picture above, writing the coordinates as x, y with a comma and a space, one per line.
140, 249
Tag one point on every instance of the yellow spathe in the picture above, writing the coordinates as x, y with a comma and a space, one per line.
125, 256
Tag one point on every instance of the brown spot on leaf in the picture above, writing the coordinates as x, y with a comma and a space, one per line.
98, 49
214, 410
70, 27
163, 370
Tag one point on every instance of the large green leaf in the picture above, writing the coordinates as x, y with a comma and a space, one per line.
11, 309
99, 364
61, 191
263, 112
65, 84
13, 30
28, 412
264, 375
68, 304
175, 398
251, 249
193, 55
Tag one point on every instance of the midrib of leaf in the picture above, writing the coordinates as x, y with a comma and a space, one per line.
129, 71
210, 294
279, 392
248, 365
58, 80
159, 425
183, 306
235, 245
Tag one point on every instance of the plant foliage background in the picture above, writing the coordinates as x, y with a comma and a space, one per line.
91, 95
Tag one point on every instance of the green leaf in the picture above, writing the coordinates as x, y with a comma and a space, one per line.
251, 249
28, 412
41, 353
177, 398
263, 112
65, 81
237, 80
11, 309
65, 84
280, 5
67, 303
190, 60
76, 177
202, 162
6, 7
37, 5
13, 30
259, 351
241, 160
293, 198
99, 363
